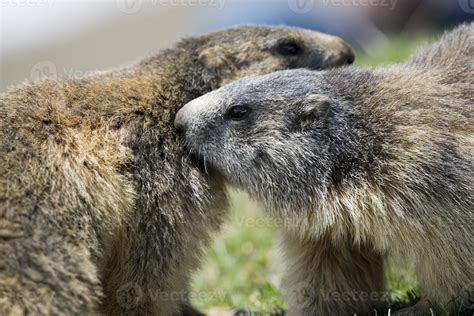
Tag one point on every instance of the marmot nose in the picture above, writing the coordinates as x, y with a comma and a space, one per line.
346, 56
350, 58
180, 124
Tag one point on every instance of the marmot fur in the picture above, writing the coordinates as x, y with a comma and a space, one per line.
358, 164
98, 206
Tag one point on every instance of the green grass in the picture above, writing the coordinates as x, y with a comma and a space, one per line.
243, 267
389, 52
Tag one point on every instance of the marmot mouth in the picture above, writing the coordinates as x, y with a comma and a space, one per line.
197, 160
194, 158
201, 163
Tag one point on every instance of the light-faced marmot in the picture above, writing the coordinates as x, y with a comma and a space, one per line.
96, 198
358, 164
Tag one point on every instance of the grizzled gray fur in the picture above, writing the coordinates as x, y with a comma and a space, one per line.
99, 209
359, 164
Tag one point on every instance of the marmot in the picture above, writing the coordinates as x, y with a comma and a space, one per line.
98, 205
358, 164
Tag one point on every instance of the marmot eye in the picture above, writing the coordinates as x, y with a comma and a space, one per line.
238, 113
289, 49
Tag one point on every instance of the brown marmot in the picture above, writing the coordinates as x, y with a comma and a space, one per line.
97, 203
358, 164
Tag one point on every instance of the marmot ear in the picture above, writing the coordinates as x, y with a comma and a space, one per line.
215, 58
316, 108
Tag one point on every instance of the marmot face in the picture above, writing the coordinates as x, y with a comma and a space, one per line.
278, 144
254, 50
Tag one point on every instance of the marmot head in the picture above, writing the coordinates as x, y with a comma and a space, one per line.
286, 137
253, 50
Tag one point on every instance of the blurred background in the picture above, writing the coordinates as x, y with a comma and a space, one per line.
69, 38
54, 38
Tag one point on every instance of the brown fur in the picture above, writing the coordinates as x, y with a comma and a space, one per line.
98, 206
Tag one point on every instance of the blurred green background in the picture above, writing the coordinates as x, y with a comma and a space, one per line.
244, 266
